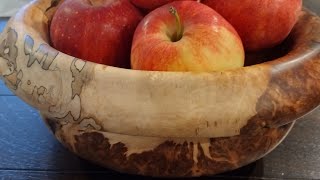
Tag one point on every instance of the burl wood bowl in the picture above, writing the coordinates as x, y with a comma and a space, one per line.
170, 124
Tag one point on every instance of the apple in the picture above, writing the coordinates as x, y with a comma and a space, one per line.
150, 4
100, 31
260, 23
186, 36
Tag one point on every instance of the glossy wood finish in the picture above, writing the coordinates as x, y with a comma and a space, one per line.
32, 152
174, 105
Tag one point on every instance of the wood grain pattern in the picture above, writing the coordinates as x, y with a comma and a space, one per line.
174, 105
296, 158
32, 151
283, 100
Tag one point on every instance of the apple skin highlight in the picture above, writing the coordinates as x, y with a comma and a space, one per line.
209, 42
260, 23
100, 31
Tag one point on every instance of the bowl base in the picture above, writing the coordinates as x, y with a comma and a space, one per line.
166, 157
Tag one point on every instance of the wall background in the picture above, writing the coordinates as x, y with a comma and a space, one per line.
9, 7
313, 5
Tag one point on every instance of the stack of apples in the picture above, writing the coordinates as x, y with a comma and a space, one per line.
168, 35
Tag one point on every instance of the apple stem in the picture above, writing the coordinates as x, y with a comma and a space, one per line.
179, 32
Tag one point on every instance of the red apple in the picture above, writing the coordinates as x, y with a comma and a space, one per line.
186, 36
96, 30
260, 23
151, 4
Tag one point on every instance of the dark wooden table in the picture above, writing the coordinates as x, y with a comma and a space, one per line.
29, 151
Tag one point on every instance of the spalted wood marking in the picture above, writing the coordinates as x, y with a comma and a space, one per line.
43, 55
8, 57
78, 80
9, 49
86, 91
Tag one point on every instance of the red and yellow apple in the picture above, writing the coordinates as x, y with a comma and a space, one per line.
151, 4
186, 36
96, 30
260, 23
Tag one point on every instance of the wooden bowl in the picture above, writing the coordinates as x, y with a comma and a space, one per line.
171, 124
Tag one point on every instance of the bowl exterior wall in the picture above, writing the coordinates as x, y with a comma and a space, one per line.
161, 123
166, 157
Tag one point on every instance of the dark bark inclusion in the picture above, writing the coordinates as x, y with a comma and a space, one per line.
173, 159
